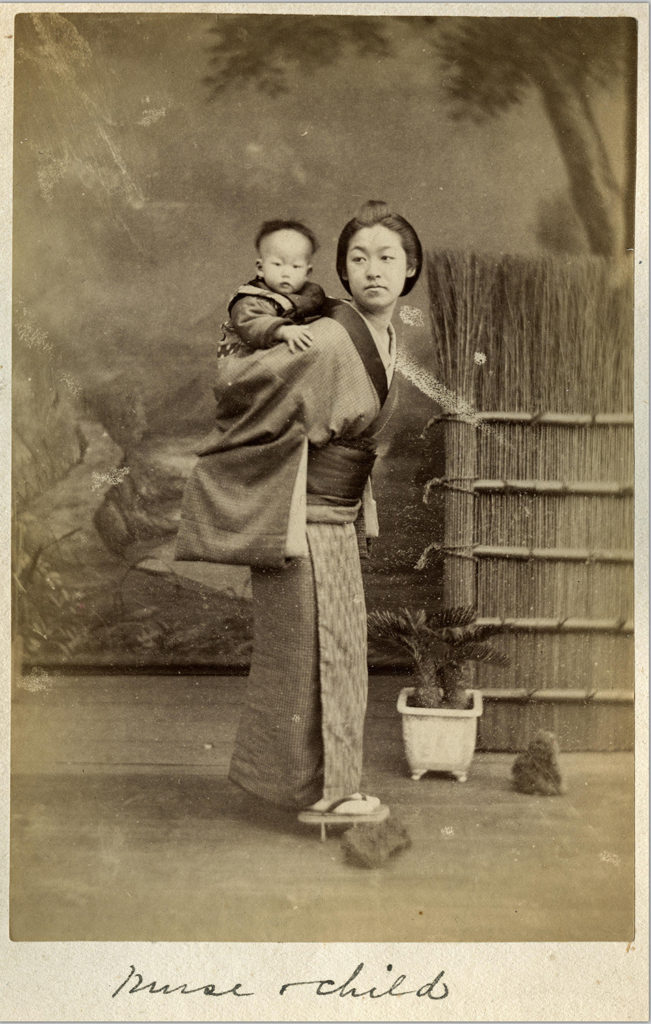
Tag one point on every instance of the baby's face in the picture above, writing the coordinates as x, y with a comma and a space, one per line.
284, 260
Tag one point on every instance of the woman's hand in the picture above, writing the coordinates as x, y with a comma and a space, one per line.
295, 336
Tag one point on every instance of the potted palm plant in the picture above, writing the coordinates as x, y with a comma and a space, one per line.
439, 714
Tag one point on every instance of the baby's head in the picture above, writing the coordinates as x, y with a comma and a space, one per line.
285, 249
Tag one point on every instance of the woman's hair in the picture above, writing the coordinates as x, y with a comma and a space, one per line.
271, 226
376, 212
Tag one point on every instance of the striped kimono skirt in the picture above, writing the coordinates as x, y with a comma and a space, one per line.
301, 732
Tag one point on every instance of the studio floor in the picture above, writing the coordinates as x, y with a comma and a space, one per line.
125, 827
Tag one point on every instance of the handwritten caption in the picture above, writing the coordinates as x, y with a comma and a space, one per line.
354, 986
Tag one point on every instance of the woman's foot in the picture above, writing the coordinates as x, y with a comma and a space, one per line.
356, 809
356, 803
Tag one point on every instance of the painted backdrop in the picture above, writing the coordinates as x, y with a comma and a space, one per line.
147, 150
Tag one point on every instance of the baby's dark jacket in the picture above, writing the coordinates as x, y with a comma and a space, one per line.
256, 312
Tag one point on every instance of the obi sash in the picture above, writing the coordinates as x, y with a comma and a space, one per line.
338, 471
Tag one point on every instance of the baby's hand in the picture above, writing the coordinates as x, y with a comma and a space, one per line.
295, 336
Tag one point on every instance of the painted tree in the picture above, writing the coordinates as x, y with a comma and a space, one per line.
490, 63
486, 66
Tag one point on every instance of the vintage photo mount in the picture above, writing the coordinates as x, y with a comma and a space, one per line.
492, 981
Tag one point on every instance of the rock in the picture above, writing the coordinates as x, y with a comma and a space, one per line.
537, 769
369, 846
155, 566
143, 504
47, 439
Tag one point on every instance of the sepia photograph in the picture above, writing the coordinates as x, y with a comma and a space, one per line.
323, 479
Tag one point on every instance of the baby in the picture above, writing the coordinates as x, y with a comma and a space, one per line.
273, 307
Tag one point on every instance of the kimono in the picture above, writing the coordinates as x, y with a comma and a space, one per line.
278, 486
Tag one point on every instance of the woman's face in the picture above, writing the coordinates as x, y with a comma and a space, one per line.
376, 268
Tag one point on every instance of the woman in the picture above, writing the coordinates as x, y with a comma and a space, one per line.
281, 485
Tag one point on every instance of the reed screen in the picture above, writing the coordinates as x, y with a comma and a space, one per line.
533, 335
551, 501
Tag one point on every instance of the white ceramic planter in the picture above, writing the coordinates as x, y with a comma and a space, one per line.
439, 739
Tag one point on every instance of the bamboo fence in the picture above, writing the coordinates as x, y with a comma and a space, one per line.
537, 489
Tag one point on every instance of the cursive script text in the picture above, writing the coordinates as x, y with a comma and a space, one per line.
140, 985
436, 989
355, 986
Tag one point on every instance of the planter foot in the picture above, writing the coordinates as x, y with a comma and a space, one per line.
416, 776
461, 776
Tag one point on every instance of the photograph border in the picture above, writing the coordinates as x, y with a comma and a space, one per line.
485, 981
